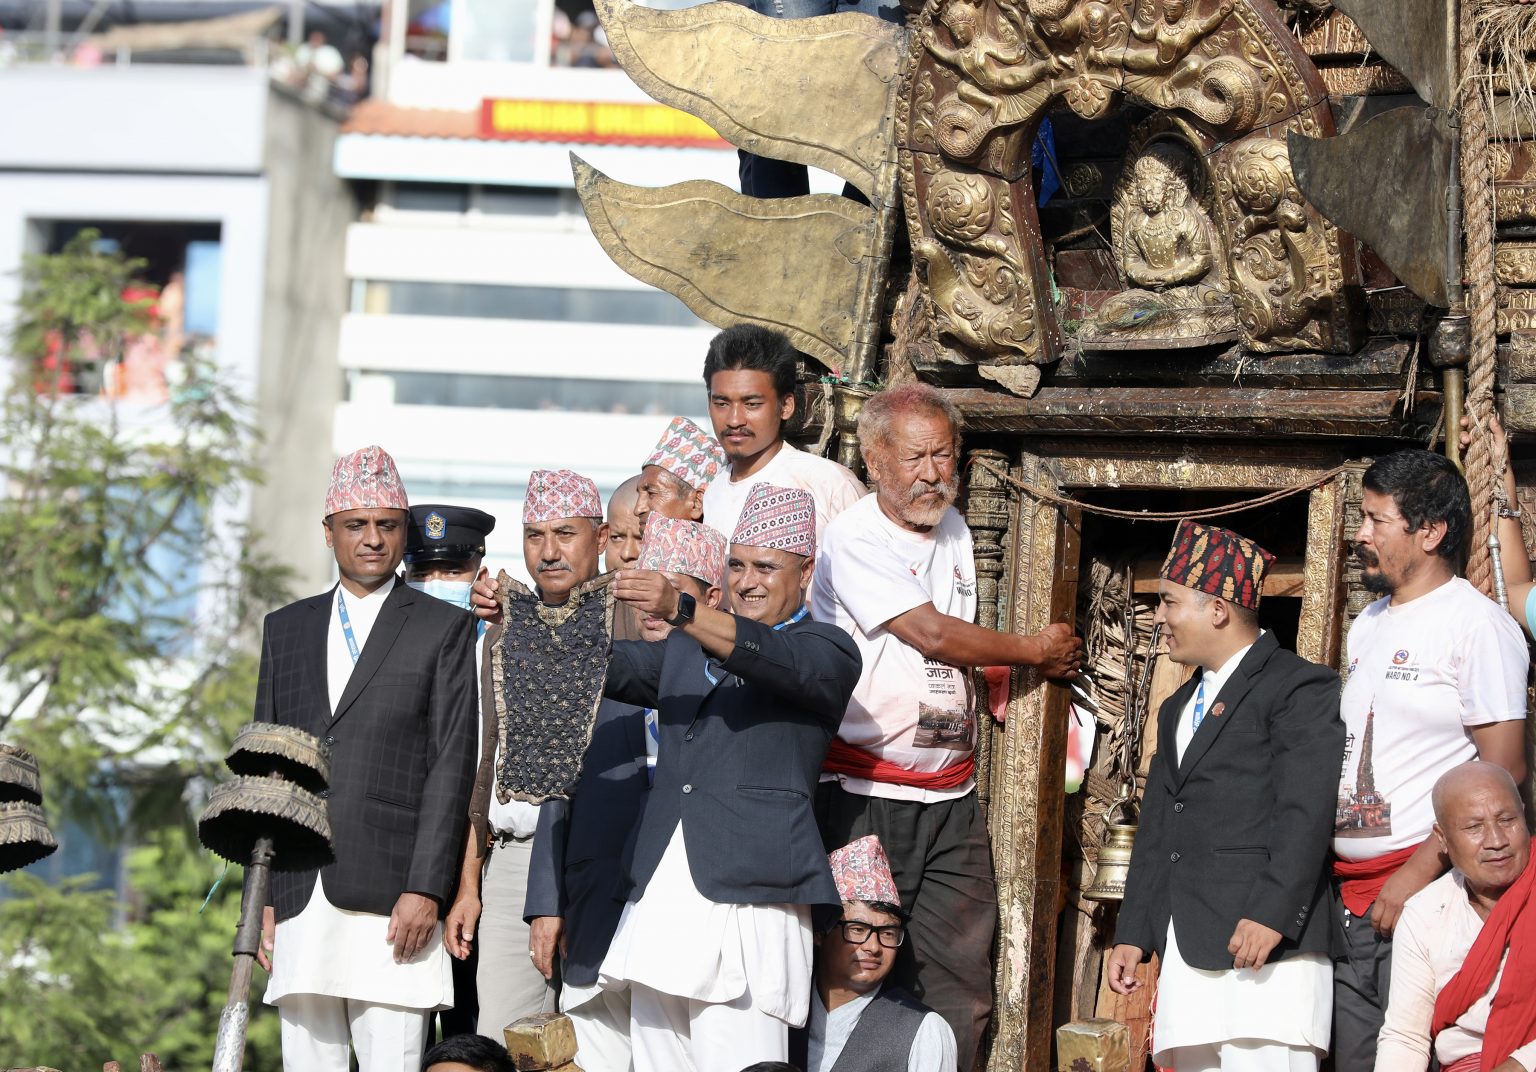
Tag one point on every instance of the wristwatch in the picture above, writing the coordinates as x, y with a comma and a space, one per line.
686, 605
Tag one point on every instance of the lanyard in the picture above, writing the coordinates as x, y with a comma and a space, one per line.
791, 620
346, 626
1198, 715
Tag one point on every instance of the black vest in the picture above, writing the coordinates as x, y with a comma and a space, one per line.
881, 1040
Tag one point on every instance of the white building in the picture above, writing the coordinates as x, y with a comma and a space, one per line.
488, 333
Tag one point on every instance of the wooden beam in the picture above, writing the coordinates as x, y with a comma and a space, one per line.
1287, 577
1241, 412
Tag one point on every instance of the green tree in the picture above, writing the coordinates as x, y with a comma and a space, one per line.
128, 614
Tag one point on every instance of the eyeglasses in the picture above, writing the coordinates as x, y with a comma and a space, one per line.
857, 933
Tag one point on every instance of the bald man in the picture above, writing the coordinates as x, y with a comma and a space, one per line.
625, 529
1467, 937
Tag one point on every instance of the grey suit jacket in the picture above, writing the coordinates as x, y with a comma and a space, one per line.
1240, 828
581, 848
403, 745
739, 759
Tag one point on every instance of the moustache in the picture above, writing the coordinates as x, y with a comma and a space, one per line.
945, 489
1365, 555
548, 567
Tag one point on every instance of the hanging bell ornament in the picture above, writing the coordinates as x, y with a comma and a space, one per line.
1114, 864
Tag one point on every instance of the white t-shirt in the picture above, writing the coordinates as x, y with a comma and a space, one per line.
833, 487
916, 713
1420, 674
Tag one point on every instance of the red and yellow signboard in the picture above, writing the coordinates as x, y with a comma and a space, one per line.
595, 123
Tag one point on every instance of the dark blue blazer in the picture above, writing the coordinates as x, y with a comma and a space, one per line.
739, 759
579, 852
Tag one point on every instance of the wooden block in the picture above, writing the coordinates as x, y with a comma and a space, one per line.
544, 1041
1093, 1046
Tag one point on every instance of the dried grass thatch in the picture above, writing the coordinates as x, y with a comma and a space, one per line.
248, 808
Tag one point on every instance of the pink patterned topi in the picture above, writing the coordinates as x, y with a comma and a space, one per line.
863, 873
555, 493
365, 480
689, 453
781, 518
686, 547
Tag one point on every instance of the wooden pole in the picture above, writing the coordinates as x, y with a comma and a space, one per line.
229, 1045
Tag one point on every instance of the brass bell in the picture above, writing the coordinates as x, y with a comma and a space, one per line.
1114, 864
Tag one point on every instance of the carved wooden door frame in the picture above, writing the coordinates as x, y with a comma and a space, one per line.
1028, 574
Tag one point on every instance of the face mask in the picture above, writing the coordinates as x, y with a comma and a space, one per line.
455, 592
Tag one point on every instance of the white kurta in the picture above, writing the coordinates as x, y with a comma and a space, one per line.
325, 950
933, 1050
1288, 1002
678, 942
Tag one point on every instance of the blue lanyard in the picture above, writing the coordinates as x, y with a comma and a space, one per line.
1198, 716
346, 626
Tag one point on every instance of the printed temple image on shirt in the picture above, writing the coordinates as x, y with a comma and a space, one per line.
945, 719
1362, 811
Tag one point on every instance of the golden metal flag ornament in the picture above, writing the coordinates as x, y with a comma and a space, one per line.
795, 264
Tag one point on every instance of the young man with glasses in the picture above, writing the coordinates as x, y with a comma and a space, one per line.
857, 1023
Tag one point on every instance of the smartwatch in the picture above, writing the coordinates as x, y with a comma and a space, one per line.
686, 605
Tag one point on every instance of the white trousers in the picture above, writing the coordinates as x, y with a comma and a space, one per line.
510, 987
1240, 1056
317, 1028
602, 1030
673, 1034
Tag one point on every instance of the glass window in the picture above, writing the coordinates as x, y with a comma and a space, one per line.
528, 303
548, 393
431, 197
426, 28
519, 201
499, 30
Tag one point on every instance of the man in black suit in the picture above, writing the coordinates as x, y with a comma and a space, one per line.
576, 878
715, 943
384, 676
1228, 880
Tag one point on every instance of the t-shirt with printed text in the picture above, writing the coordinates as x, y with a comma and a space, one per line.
916, 713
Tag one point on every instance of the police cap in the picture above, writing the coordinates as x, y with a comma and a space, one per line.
452, 533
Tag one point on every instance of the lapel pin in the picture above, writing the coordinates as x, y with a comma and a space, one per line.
1217, 710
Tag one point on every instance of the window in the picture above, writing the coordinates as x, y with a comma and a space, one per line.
547, 393
527, 303
431, 197
499, 30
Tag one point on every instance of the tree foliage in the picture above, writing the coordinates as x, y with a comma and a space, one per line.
128, 613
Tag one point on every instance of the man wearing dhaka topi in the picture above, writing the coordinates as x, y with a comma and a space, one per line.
385, 677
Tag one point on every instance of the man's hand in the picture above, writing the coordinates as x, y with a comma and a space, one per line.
1061, 651
410, 925
545, 934
1509, 1064
268, 936
647, 591
459, 928
483, 598
1252, 943
1388, 905
1123, 960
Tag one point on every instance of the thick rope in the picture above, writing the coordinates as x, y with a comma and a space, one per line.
1477, 268
1034, 491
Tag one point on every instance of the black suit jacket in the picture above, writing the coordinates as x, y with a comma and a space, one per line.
739, 760
1240, 828
403, 745
580, 850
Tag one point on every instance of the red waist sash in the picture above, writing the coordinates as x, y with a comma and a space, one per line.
844, 758
1360, 881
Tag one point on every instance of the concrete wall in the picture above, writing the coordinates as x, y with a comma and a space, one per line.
304, 297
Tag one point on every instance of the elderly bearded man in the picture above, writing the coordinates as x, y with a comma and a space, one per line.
563, 530
715, 943
1229, 880
1464, 962
678, 472
576, 882
385, 676
897, 572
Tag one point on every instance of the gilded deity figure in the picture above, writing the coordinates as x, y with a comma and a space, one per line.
1167, 241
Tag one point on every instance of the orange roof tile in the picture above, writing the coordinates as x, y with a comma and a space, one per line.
374, 116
